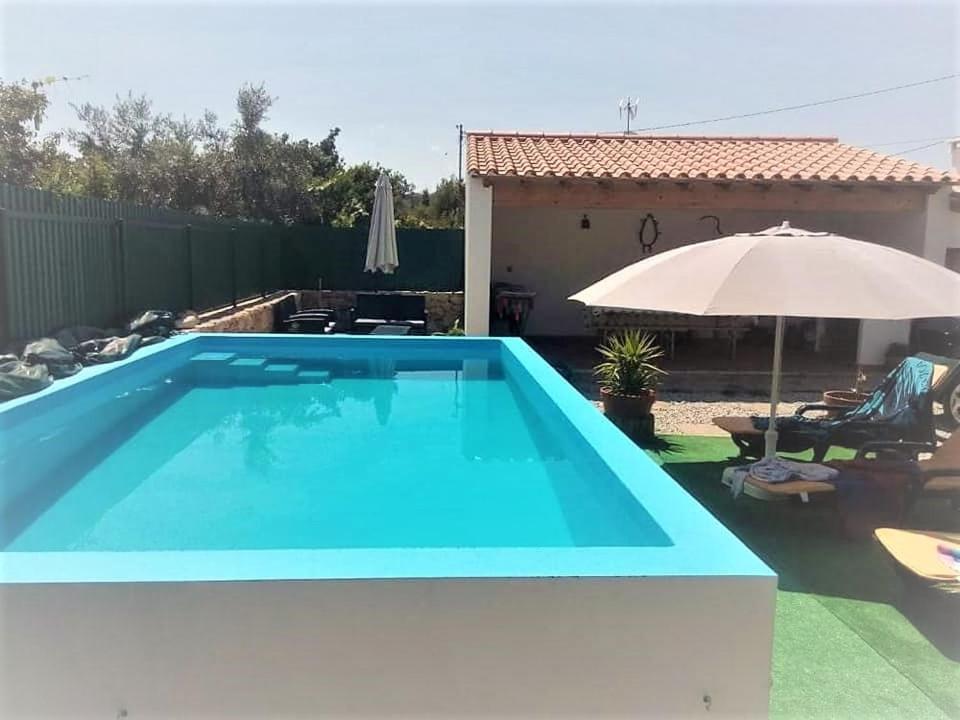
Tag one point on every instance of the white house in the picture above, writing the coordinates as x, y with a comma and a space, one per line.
556, 212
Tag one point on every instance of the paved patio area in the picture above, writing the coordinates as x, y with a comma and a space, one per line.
705, 366
704, 382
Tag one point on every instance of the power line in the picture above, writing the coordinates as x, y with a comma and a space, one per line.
915, 149
816, 103
907, 142
915, 140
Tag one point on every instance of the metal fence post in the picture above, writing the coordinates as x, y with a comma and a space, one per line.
188, 238
121, 234
233, 265
263, 266
4, 281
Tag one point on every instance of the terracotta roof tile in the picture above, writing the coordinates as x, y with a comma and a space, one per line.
681, 157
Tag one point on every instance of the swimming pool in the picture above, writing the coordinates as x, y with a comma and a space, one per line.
242, 459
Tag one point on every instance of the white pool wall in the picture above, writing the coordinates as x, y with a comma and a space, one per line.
572, 648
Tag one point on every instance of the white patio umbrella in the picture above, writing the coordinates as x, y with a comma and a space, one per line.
782, 272
382, 240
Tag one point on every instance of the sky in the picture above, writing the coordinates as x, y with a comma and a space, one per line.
397, 77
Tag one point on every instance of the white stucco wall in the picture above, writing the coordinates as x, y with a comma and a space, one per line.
941, 230
546, 250
478, 217
441, 648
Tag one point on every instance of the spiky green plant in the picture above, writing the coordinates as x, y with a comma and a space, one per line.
629, 366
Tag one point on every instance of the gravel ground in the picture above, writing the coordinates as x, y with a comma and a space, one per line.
685, 417
689, 408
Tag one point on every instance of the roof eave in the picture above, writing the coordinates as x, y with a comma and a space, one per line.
888, 183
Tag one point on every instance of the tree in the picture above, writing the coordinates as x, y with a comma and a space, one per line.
130, 152
346, 199
442, 208
23, 152
447, 203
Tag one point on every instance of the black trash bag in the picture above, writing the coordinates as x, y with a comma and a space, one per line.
70, 337
107, 350
153, 322
18, 379
60, 362
148, 341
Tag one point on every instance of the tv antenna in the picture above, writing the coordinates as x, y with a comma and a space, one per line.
628, 109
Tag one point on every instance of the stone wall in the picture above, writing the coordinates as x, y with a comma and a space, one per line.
443, 308
253, 318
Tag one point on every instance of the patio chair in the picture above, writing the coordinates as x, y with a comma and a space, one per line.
375, 309
900, 408
936, 476
318, 321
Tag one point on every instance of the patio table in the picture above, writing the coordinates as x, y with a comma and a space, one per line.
391, 330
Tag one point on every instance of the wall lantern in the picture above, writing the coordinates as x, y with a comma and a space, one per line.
585, 222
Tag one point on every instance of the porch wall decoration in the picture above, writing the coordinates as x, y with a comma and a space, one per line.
649, 234
716, 222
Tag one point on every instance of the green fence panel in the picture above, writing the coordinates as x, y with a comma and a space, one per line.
212, 263
277, 260
56, 273
68, 260
429, 260
248, 266
156, 265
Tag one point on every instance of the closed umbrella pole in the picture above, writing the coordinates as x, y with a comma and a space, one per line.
382, 238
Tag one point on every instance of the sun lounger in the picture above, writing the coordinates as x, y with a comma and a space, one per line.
900, 408
937, 476
749, 439
917, 552
793, 488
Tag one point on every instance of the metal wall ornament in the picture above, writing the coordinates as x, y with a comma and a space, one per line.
716, 222
649, 234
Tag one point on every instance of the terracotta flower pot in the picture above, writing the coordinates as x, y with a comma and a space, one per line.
627, 407
843, 400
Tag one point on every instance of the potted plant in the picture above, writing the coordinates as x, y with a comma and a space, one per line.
454, 330
628, 375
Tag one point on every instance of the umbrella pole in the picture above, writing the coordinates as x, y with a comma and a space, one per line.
770, 436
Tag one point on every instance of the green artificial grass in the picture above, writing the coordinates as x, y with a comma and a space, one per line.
850, 641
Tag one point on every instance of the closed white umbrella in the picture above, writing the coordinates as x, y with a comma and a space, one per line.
782, 272
382, 240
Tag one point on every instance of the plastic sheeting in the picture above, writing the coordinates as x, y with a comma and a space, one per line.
47, 359
17, 378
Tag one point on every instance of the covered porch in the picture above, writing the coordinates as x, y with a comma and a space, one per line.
554, 213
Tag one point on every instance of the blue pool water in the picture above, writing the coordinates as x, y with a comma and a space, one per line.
313, 449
